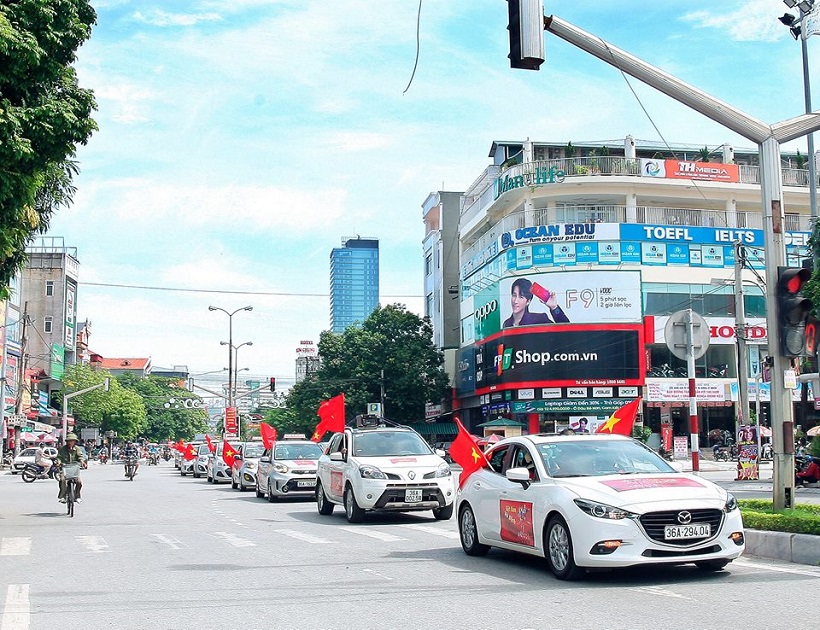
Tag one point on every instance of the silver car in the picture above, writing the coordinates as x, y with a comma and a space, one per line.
216, 470
197, 465
244, 467
287, 469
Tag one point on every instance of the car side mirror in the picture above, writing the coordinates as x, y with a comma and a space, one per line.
237, 458
265, 460
519, 475
336, 456
440, 452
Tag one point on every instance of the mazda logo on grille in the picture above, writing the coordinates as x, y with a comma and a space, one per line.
684, 518
411, 474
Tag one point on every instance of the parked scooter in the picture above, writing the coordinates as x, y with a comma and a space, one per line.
33, 472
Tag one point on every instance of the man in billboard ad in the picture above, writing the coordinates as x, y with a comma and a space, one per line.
563, 354
572, 296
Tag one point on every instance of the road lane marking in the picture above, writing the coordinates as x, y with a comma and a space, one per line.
17, 610
96, 544
233, 539
15, 546
767, 567
313, 540
433, 530
660, 591
374, 533
172, 542
374, 572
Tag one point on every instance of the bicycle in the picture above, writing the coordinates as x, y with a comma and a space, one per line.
71, 472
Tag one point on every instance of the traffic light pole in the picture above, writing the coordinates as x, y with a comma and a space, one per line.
768, 137
740, 335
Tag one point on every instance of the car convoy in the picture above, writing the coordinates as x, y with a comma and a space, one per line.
580, 502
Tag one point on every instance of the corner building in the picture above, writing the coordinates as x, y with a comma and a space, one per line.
572, 259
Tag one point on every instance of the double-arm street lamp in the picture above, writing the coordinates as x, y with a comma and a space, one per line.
230, 345
232, 387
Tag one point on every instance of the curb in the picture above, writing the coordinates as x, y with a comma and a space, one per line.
796, 548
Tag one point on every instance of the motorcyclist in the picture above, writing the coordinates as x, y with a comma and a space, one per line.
42, 460
810, 474
153, 453
70, 453
131, 452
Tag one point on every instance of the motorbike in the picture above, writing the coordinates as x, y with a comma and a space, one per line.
153, 459
130, 467
33, 472
726, 453
102, 456
766, 452
667, 453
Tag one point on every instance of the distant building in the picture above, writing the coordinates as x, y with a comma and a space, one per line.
140, 367
354, 281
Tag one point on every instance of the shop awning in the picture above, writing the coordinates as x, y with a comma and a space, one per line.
436, 428
500, 423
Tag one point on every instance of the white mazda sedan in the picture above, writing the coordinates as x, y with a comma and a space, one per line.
595, 501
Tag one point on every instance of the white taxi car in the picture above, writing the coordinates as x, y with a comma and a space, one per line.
383, 468
595, 501
287, 469
243, 472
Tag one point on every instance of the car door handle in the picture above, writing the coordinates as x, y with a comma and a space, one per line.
477, 485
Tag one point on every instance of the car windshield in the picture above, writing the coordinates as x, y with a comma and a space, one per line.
387, 443
253, 451
297, 451
29, 452
203, 449
587, 458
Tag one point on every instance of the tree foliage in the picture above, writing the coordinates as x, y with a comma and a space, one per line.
119, 409
167, 416
44, 115
392, 340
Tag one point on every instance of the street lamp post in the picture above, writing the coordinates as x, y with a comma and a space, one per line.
106, 385
230, 344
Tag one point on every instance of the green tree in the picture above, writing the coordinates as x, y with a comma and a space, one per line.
44, 115
118, 409
392, 341
167, 416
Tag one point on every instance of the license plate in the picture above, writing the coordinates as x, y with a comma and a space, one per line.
674, 532
413, 495
308, 483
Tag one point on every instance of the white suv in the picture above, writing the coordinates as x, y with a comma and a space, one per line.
383, 468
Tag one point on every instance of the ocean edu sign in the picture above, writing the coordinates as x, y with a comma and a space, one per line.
540, 176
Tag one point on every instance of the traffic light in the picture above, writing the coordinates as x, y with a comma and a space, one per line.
526, 28
793, 311
273, 383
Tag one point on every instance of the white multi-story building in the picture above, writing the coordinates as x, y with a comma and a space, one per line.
608, 239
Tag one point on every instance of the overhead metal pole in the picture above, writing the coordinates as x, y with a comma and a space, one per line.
740, 335
810, 137
768, 139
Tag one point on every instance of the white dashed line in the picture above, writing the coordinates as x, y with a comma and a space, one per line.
433, 530
17, 610
314, 540
234, 540
96, 544
374, 533
172, 542
15, 546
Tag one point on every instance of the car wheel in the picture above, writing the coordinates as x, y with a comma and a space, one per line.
444, 513
711, 565
271, 497
558, 550
234, 485
259, 493
196, 475
242, 487
182, 473
324, 506
468, 533
353, 512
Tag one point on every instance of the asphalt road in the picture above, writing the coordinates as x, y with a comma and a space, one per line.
170, 552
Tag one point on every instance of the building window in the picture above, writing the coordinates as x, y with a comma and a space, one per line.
47, 325
428, 264
428, 307
49, 288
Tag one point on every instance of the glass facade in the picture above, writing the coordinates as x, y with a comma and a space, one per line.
354, 282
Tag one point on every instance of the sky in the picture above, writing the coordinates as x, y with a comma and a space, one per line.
240, 140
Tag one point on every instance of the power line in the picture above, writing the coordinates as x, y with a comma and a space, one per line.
222, 291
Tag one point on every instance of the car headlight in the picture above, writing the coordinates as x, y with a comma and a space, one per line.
602, 510
444, 471
371, 472
250, 465
731, 503
280, 468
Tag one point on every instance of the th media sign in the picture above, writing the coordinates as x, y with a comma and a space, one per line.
561, 355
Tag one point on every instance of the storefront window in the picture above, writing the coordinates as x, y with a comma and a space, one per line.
718, 362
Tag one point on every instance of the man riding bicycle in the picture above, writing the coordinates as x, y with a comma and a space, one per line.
70, 453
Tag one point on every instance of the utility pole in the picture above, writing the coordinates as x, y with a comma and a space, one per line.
694, 440
740, 335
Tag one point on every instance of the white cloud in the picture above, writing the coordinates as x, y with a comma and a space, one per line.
752, 21
125, 101
163, 18
358, 141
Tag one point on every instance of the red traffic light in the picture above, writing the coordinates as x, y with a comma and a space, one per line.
792, 279
273, 383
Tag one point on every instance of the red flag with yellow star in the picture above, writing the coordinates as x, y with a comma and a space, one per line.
211, 445
622, 419
189, 452
331, 417
228, 453
268, 434
466, 454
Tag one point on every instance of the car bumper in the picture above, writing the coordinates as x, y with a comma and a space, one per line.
292, 485
247, 478
636, 547
380, 494
221, 473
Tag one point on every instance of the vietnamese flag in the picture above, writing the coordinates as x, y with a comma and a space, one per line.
331, 417
622, 419
211, 445
189, 452
467, 454
179, 446
228, 454
268, 434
